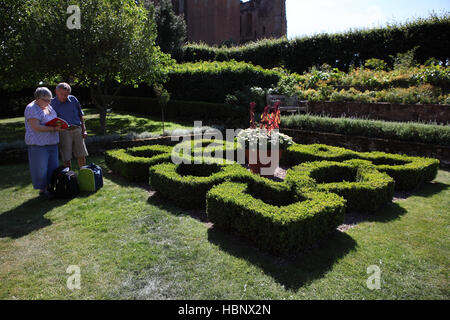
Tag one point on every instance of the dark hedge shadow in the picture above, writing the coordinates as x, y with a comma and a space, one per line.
27, 217
162, 203
429, 189
293, 272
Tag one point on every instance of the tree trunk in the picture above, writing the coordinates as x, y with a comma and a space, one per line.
162, 113
99, 105
101, 100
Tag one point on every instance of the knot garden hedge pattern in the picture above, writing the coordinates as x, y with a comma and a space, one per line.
282, 217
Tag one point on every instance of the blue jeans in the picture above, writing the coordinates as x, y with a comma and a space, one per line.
43, 161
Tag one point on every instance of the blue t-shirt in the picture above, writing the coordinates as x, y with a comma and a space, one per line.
33, 111
69, 110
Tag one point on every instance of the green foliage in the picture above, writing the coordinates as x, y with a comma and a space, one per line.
406, 84
171, 28
299, 153
434, 74
163, 97
212, 81
376, 64
363, 187
341, 50
183, 110
207, 148
241, 99
133, 163
279, 217
405, 60
115, 46
411, 131
281, 228
187, 184
408, 172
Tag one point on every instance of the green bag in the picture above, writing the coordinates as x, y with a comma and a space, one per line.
90, 178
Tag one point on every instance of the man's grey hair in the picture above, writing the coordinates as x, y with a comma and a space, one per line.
42, 92
64, 86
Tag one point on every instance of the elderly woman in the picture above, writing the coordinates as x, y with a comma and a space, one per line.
42, 140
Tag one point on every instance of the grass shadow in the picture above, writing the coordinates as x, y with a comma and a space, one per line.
155, 199
429, 189
27, 217
393, 210
292, 272
15, 176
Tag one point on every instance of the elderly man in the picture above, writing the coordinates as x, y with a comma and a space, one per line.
72, 139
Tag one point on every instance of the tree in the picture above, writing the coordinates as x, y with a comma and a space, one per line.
163, 97
12, 14
171, 28
115, 46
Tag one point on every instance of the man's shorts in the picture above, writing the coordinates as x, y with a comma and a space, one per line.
71, 141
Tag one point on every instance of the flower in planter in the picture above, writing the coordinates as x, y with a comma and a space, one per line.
252, 115
265, 134
258, 137
270, 121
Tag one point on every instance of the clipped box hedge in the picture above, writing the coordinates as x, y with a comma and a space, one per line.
280, 229
208, 148
299, 153
364, 187
133, 163
408, 172
187, 184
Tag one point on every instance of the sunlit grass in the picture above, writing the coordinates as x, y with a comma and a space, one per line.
130, 243
117, 123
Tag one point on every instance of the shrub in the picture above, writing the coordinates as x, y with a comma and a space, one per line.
364, 187
376, 64
187, 184
341, 50
299, 153
411, 131
133, 163
281, 228
408, 172
176, 109
213, 81
208, 148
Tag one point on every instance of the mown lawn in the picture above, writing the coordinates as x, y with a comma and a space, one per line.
130, 244
13, 129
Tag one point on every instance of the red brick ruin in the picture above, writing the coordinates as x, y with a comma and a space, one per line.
234, 21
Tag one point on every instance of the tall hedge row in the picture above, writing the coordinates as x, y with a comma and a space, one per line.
211, 82
431, 36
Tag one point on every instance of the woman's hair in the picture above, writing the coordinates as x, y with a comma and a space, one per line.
42, 92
